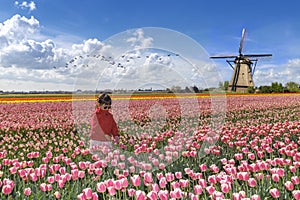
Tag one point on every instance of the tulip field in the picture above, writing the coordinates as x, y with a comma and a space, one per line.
175, 154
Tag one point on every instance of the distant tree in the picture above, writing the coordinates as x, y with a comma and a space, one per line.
292, 86
226, 85
276, 87
251, 89
265, 89
223, 86
220, 85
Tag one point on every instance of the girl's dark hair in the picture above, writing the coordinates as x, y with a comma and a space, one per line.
104, 99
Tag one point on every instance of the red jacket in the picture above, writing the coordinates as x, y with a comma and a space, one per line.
102, 122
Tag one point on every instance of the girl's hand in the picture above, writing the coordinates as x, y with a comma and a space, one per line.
107, 137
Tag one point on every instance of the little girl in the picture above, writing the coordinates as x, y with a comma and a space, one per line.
103, 126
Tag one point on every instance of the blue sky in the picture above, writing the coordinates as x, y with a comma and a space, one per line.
36, 36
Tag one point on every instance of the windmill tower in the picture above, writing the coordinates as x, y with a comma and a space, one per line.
243, 69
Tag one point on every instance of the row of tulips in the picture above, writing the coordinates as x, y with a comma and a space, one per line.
255, 157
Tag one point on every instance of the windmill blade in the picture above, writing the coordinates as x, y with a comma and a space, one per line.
242, 41
229, 56
258, 55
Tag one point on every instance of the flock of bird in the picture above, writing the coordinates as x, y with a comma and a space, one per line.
109, 59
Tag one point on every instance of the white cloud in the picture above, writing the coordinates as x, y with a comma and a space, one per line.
287, 72
28, 55
25, 54
26, 5
138, 40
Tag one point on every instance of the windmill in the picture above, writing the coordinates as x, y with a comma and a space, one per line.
243, 69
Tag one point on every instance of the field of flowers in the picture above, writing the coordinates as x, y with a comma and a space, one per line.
254, 154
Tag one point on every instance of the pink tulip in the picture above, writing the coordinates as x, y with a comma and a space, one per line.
295, 180
176, 193
244, 176
50, 179
95, 196
251, 156
275, 177
280, 172
252, 182
194, 197
255, 197
293, 169
140, 195
81, 197
33, 177
82, 165
161, 166
296, 194
49, 154
148, 178
203, 167
289, 185
43, 187
49, 187
202, 183
155, 187
124, 182
225, 188
101, 187
184, 183
170, 177
218, 195
175, 185
27, 191
135, 180
178, 175
131, 192
111, 190
57, 195
162, 182
118, 184
275, 193
163, 194
81, 174
88, 193
197, 189
61, 183
237, 196
152, 195
210, 189
212, 179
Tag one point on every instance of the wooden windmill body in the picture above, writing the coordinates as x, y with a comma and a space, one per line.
243, 68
